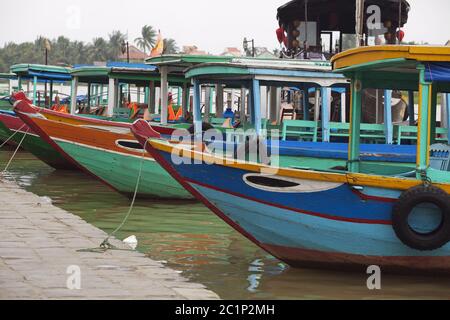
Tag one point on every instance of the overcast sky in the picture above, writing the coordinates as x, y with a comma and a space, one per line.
212, 25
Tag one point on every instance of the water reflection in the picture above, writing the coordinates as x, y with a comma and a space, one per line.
188, 238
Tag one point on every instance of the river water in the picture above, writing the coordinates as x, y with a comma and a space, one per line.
187, 237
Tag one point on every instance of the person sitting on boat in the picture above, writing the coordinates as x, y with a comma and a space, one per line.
58, 107
172, 115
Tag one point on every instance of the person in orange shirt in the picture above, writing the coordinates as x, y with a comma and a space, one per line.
172, 115
58, 107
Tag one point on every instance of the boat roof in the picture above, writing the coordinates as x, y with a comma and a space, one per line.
320, 10
135, 73
7, 76
42, 72
396, 66
178, 63
269, 71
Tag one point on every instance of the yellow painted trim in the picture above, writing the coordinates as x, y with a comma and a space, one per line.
357, 179
364, 55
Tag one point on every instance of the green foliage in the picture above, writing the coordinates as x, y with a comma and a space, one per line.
63, 51
170, 46
147, 39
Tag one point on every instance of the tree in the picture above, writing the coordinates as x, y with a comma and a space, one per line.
147, 39
170, 46
98, 50
116, 39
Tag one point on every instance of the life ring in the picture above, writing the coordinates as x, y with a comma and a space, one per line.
423, 194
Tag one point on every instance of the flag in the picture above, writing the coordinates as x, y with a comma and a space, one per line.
158, 49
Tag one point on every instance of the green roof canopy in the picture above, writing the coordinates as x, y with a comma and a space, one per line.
239, 71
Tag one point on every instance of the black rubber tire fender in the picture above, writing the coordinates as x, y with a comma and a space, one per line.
403, 209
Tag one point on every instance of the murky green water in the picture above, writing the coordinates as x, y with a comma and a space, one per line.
189, 238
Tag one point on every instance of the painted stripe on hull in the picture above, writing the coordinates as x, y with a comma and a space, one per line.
121, 171
286, 228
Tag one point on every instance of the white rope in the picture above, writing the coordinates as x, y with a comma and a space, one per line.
12, 136
106, 245
15, 152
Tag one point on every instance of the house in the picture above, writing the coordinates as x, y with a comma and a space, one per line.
136, 55
232, 52
193, 50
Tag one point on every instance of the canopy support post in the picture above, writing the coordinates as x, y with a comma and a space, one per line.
388, 128
197, 109
355, 125
111, 97
411, 108
242, 116
344, 106
208, 101
256, 106
219, 101
423, 136
73, 97
326, 108
35, 79
164, 94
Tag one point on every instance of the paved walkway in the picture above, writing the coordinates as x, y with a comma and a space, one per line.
39, 242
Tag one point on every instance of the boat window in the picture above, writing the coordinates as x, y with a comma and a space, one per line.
133, 145
271, 182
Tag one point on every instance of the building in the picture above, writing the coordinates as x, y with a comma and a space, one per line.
193, 50
232, 52
136, 55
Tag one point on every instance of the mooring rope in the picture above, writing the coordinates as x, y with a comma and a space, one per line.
12, 136
15, 152
106, 245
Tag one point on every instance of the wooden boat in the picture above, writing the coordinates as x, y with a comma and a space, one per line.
105, 150
11, 124
346, 219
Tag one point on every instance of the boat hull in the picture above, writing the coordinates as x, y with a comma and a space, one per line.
97, 150
32, 142
323, 223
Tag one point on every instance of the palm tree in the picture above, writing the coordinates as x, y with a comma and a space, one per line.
116, 39
98, 50
147, 39
170, 46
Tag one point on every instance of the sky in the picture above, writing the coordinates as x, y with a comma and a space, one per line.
212, 25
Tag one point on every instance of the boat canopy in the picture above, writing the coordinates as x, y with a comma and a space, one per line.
42, 72
133, 73
7, 76
178, 63
425, 69
394, 67
240, 71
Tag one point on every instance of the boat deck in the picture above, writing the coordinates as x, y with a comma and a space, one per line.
40, 242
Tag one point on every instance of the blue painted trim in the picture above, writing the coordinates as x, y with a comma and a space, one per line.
325, 114
389, 130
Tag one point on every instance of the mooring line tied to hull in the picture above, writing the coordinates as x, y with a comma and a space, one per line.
15, 151
106, 245
12, 136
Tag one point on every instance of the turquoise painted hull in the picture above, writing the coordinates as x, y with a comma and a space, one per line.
121, 172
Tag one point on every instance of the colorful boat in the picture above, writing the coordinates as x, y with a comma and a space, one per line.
105, 150
346, 219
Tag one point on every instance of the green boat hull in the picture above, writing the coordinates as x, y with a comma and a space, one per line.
36, 146
121, 172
